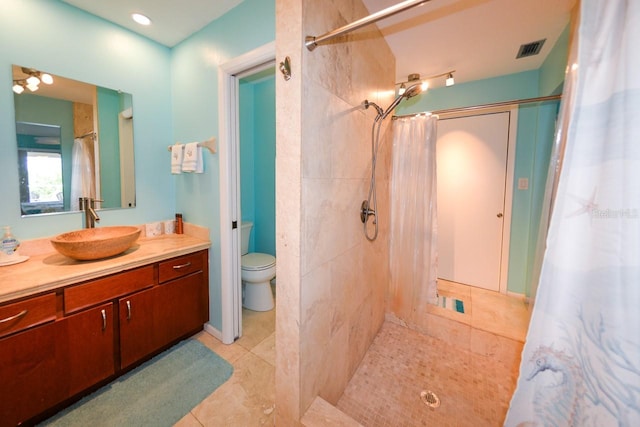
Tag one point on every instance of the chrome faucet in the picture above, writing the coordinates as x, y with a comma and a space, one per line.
88, 204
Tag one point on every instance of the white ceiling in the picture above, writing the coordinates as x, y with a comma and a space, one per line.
172, 20
477, 38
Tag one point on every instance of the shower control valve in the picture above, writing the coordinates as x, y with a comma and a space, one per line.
365, 212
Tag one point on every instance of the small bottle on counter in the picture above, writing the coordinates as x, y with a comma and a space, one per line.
9, 243
179, 224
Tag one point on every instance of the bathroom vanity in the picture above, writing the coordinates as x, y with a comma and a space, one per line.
68, 327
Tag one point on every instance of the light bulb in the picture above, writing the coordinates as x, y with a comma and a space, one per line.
46, 78
33, 81
141, 19
424, 86
17, 88
32, 87
450, 81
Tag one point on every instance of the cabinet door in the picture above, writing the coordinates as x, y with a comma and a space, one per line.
43, 366
88, 340
137, 337
182, 307
31, 374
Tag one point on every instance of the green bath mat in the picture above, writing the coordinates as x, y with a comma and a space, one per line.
157, 393
451, 303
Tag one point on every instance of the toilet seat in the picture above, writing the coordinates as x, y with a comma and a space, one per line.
257, 261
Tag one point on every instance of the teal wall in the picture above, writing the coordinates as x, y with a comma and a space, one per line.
536, 126
194, 83
553, 68
175, 98
257, 161
69, 42
265, 166
108, 102
247, 168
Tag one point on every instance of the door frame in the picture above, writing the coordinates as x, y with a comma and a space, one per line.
509, 180
228, 153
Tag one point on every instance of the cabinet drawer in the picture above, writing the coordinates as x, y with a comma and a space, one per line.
105, 289
181, 266
24, 314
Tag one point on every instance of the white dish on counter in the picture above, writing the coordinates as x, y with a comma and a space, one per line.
14, 260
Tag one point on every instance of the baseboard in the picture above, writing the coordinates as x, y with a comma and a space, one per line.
212, 331
523, 297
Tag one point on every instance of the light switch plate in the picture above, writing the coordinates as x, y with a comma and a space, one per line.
153, 229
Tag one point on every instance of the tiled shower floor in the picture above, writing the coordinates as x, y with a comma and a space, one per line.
473, 374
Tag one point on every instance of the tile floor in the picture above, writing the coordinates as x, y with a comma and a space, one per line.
248, 397
473, 375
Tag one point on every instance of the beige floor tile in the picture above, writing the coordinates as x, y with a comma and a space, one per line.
246, 399
230, 353
256, 326
321, 414
470, 361
267, 349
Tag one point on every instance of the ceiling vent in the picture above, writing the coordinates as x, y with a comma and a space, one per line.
530, 49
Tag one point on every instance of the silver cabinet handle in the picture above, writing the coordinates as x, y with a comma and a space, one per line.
15, 316
104, 319
128, 310
178, 267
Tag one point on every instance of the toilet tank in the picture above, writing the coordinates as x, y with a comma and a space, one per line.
245, 233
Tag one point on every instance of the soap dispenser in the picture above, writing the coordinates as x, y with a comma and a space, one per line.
9, 243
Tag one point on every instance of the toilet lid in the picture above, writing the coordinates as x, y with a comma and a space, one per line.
257, 261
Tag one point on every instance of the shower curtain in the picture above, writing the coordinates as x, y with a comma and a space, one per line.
581, 360
413, 247
82, 179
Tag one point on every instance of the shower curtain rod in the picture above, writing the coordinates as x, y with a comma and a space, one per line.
311, 42
483, 106
93, 134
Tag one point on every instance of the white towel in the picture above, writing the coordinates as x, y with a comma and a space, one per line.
176, 159
192, 161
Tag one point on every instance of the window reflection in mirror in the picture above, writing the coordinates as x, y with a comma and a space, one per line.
40, 168
74, 140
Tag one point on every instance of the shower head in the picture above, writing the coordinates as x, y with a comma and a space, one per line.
411, 91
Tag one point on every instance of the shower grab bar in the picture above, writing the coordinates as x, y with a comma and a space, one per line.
311, 42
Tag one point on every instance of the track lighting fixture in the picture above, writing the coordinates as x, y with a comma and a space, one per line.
31, 81
413, 78
450, 81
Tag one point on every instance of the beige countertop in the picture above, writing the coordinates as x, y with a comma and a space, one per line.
47, 270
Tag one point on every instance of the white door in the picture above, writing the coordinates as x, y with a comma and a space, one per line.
472, 174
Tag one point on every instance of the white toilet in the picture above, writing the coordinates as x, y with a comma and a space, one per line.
257, 271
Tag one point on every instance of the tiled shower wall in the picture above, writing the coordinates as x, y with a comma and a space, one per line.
334, 279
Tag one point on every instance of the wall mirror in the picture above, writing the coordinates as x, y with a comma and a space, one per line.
74, 140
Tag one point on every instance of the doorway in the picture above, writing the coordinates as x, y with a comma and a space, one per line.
475, 157
229, 75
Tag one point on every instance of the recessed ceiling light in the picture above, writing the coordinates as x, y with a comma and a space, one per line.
141, 19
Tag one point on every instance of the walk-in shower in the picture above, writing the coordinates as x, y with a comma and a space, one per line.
369, 206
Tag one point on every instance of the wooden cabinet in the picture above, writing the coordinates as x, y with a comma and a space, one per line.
43, 366
85, 342
136, 327
57, 346
176, 308
31, 374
